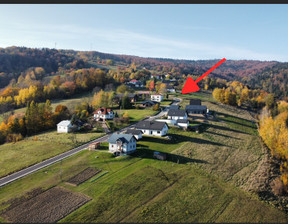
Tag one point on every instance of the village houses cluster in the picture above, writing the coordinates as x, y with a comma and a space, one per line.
126, 142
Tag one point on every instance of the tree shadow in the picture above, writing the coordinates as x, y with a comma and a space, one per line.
223, 128
228, 115
226, 136
146, 153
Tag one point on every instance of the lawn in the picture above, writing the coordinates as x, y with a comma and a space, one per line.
16, 156
166, 102
137, 115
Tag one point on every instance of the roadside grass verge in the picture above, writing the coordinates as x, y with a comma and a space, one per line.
34, 149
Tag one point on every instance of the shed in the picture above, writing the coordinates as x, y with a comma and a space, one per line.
94, 145
159, 155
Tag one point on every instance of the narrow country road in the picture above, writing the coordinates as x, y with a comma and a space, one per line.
24, 172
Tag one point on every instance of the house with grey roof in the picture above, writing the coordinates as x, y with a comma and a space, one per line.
122, 143
174, 107
195, 102
196, 109
65, 126
175, 114
153, 128
184, 123
136, 133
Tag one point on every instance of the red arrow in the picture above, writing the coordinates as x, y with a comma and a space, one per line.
191, 85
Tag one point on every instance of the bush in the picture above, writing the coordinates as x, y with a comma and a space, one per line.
14, 137
278, 187
156, 107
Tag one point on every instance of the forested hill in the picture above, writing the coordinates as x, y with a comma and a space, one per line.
16, 61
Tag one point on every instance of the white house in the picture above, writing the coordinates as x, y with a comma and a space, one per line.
183, 123
170, 89
157, 97
122, 143
64, 127
136, 133
174, 114
154, 128
103, 114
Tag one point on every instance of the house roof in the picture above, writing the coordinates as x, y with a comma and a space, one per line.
133, 80
173, 112
103, 110
151, 125
182, 121
143, 92
133, 132
196, 107
64, 123
125, 138
195, 102
174, 107
149, 101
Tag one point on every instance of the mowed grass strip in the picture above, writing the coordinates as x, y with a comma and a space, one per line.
198, 197
122, 198
16, 156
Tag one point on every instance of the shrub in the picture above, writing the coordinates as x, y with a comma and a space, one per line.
278, 187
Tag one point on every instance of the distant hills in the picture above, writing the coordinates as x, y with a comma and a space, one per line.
268, 75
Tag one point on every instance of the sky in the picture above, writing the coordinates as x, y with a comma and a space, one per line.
184, 31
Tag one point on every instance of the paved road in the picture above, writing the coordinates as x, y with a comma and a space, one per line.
31, 169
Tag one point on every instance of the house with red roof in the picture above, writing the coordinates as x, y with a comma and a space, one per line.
103, 114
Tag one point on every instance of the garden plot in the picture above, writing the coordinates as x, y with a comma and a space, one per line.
83, 176
49, 206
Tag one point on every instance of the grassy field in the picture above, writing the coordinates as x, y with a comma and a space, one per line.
137, 115
30, 151
166, 102
70, 103
204, 179
148, 189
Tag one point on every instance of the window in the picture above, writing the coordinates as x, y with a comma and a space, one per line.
112, 146
158, 132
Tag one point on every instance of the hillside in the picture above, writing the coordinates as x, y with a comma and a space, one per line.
207, 177
17, 61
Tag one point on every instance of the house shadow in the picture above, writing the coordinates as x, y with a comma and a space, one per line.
175, 139
144, 152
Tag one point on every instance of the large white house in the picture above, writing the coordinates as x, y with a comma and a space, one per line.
176, 114
157, 97
155, 128
103, 114
64, 127
122, 143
